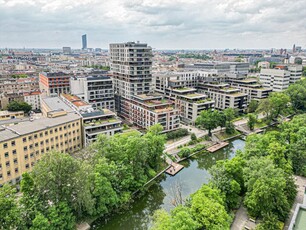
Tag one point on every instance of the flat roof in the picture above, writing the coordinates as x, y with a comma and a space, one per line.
2, 113
28, 127
55, 103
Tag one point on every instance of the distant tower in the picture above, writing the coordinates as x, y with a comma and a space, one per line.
293, 49
84, 42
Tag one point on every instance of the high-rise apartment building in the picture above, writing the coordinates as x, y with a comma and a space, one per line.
84, 42
131, 65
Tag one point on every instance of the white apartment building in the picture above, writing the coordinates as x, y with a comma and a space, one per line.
33, 99
276, 79
96, 90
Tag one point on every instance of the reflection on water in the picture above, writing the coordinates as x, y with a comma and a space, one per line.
191, 178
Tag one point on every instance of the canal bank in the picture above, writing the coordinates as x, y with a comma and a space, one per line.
160, 194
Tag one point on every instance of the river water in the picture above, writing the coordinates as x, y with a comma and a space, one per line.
160, 194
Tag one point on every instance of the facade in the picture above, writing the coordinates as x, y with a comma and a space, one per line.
95, 122
7, 115
252, 88
131, 65
276, 79
96, 90
33, 99
67, 50
54, 83
84, 42
23, 144
147, 110
225, 96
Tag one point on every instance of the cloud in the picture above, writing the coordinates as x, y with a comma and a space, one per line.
162, 23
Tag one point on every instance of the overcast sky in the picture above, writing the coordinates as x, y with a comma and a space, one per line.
172, 24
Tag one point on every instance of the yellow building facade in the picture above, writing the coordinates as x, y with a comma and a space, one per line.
23, 144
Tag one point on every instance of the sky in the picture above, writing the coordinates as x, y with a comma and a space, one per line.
163, 24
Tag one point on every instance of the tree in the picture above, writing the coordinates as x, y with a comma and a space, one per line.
9, 210
161, 220
184, 152
181, 218
58, 177
208, 119
251, 121
19, 106
297, 94
270, 222
266, 187
40, 223
207, 208
61, 217
227, 176
275, 105
253, 105
229, 114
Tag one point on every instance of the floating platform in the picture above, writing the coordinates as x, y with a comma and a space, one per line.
218, 146
174, 169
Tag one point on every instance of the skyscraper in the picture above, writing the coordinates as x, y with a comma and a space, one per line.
84, 41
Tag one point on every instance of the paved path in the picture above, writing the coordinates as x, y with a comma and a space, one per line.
300, 182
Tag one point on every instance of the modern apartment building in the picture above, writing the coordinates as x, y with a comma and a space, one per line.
23, 144
276, 79
252, 88
54, 83
147, 110
96, 90
131, 65
94, 121
225, 96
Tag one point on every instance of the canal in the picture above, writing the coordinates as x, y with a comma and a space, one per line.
160, 194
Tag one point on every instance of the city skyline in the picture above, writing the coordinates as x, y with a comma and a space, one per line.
178, 24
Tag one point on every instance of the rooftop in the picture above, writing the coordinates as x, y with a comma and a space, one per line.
27, 127
55, 103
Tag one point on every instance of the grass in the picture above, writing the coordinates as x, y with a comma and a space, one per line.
223, 135
259, 125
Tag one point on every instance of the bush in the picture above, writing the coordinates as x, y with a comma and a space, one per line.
185, 152
177, 134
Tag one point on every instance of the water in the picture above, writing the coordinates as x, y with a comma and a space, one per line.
159, 195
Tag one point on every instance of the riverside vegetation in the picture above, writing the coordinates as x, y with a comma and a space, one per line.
62, 190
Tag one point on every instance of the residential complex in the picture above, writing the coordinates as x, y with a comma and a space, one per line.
33, 99
225, 96
97, 90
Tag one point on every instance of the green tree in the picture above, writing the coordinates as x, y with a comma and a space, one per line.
252, 119
270, 222
9, 210
297, 94
181, 218
208, 119
229, 114
19, 106
161, 220
61, 217
266, 186
207, 208
253, 105
193, 137
58, 177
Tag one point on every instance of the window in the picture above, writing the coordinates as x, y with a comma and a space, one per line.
36, 144
5, 145
13, 143
37, 152
6, 155
31, 146
32, 164
14, 152
47, 141
51, 131
26, 156
1, 177
46, 133
8, 173
35, 136
27, 166
24, 139
30, 138
60, 128
41, 134
7, 164
15, 161
16, 170
55, 130
32, 155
